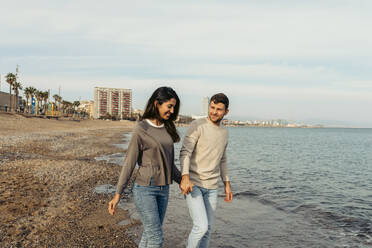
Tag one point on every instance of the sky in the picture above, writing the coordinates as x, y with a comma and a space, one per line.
303, 61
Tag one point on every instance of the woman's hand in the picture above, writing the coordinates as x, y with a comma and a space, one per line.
186, 185
113, 203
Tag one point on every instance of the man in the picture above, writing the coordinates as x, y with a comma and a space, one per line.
203, 161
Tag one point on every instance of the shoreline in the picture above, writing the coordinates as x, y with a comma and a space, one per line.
49, 173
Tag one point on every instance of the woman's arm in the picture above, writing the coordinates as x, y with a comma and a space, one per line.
176, 173
133, 151
130, 162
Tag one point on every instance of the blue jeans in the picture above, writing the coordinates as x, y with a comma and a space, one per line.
202, 204
151, 203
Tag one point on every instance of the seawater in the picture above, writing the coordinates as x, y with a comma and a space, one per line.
293, 187
319, 177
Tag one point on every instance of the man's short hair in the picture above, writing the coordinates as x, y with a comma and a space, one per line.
220, 98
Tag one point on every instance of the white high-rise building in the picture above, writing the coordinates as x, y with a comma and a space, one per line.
116, 102
205, 106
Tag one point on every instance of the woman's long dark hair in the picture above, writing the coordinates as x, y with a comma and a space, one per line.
161, 95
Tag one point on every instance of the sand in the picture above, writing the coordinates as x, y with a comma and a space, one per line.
47, 178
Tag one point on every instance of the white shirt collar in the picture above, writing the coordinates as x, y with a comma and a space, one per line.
153, 125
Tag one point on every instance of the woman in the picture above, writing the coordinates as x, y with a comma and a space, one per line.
151, 146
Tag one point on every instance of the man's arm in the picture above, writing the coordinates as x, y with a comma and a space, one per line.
225, 177
189, 142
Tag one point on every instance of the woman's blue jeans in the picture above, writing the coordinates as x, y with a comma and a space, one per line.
151, 203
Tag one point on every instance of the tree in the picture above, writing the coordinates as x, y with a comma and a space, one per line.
45, 95
75, 104
39, 98
32, 94
57, 99
65, 106
28, 94
10, 79
16, 87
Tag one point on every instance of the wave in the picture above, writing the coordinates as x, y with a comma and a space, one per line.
246, 193
357, 227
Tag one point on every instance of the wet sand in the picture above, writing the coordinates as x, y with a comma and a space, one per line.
47, 178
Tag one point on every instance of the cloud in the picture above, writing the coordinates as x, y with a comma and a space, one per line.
284, 56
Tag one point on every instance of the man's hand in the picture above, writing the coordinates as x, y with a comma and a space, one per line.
228, 192
186, 185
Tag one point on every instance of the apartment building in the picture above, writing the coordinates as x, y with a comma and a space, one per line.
87, 106
114, 101
205, 106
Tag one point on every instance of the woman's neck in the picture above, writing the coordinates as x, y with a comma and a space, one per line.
156, 122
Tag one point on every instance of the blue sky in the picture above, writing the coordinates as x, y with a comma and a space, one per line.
306, 61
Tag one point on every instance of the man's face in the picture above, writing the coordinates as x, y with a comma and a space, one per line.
217, 111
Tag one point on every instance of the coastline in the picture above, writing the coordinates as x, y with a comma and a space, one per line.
49, 175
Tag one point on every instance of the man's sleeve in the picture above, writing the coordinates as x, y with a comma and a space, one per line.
189, 141
130, 162
223, 167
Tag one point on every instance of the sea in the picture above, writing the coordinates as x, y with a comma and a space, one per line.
293, 187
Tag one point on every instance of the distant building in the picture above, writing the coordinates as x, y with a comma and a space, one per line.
195, 117
137, 113
184, 119
87, 106
112, 101
205, 106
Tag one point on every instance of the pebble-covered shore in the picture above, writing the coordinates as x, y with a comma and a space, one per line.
47, 178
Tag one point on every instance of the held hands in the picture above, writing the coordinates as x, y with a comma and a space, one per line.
228, 192
113, 203
186, 185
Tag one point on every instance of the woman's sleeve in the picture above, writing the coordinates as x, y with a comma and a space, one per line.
130, 162
176, 174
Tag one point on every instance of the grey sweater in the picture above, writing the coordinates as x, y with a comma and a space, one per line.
203, 153
152, 149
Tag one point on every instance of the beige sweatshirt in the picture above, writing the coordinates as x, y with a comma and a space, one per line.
203, 153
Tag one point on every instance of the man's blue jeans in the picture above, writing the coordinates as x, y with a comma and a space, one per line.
202, 204
151, 203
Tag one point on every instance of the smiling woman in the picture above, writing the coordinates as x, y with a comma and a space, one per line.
151, 146
163, 107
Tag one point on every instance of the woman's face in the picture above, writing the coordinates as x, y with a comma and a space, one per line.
167, 108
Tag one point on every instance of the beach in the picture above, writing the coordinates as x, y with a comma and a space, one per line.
51, 173
57, 177
48, 173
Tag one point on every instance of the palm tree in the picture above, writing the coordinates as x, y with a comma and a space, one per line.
10, 79
39, 98
30, 93
57, 99
76, 104
55, 96
68, 107
16, 87
45, 98
33, 93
